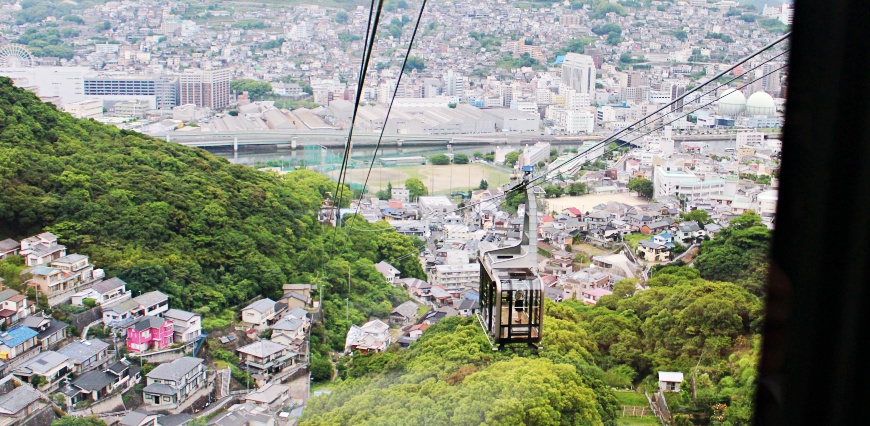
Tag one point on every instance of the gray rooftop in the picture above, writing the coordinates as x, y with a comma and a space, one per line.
262, 348
9, 244
146, 322
160, 389
80, 352
407, 309
42, 364
70, 258
261, 305
151, 298
175, 370
174, 419
135, 418
93, 381
108, 285
18, 399
178, 314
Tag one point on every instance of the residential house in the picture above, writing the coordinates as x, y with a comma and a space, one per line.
656, 227
293, 299
652, 251
272, 397
96, 384
49, 366
187, 326
390, 273
86, 355
14, 307
9, 247
446, 275
261, 313
149, 333
289, 331
266, 357
51, 331
106, 292
586, 279
373, 336
170, 384
247, 414
139, 418
121, 313
591, 296
77, 266
439, 295
41, 249
560, 264
573, 212
664, 238
304, 289
404, 314
17, 403
468, 307
688, 232
152, 303
16, 341
669, 381
712, 229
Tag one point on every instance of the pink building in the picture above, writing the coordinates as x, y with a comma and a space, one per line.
148, 333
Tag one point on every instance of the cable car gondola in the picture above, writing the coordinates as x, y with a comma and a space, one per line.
511, 293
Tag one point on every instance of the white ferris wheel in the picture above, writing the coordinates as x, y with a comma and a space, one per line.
15, 56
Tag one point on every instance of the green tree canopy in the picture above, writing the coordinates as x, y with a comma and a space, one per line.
78, 421
416, 188
257, 90
511, 158
643, 187
439, 159
460, 159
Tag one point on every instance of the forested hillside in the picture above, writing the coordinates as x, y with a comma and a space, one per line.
683, 322
210, 234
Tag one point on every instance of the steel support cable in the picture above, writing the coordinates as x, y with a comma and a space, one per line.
630, 129
390, 107
643, 120
370, 43
668, 123
523, 185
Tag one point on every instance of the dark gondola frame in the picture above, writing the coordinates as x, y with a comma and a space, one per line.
511, 292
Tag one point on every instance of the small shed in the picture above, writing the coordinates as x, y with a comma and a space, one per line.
669, 381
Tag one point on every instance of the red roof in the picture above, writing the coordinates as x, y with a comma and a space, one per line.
547, 218
574, 211
6, 313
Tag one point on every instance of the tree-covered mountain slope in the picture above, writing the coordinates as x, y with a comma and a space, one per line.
210, 234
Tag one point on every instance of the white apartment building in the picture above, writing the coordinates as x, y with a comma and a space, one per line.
455, 275
670, 180
88, 108
534, 154
578, 73
749, 139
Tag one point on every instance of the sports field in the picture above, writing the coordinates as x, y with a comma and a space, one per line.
438, 179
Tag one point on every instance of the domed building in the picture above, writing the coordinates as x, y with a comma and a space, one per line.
732, 104
760, 104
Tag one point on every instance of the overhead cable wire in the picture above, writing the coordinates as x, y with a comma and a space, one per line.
390, 106
374, 20
531, 181
630, 129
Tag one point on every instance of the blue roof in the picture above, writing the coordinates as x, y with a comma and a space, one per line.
666, 235
559, 60
17, 335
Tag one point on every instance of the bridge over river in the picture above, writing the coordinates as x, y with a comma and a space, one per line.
337, 139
